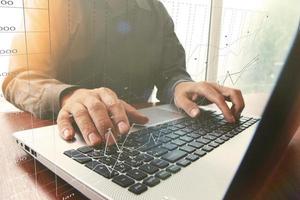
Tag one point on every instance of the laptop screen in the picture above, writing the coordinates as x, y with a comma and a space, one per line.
279, 122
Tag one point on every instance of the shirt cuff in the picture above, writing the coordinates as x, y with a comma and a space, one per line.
174, 86
53, 97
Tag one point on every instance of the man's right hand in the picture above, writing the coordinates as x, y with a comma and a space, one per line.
95, 112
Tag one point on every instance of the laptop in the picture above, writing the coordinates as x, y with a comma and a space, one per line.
176, 157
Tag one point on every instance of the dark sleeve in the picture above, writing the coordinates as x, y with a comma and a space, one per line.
173, 65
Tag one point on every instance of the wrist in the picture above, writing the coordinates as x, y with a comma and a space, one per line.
66, 94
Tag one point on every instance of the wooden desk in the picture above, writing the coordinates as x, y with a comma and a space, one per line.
21, 177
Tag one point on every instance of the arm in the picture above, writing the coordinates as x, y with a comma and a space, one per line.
173, 66
32, 84
174, 82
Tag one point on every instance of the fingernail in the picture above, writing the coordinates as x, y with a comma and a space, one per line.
194, 112
122, 127
66, 133
93, 138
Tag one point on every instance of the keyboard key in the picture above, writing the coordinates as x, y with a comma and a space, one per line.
230, 135
183, 163
159, 163
225, 138
101, 169
200, 153
180, 126
173, 156
166, 131
216, 134
192, 157
105, 172
149, 146
173, 128
96, 154
178, 142
92, 164
131, 152
173, 169
136, 174
121, 167
203, 140
158, 151
219, 141
150, 169
72, 152
151, 181
172, 136
138, 188
209, 137
180, 133
169, 146
81, 158
186, 138
144, 157
164, 139
194, 135
207, 148
196, 145
120, 157
213, 144
107, 160
163, 175
123, 180
85, 149
187, 149
133, 162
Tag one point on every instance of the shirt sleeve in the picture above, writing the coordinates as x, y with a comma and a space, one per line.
173, 64
32, 84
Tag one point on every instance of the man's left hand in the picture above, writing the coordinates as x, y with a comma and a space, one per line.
187, 93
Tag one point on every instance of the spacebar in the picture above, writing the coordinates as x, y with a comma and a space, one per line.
173, 156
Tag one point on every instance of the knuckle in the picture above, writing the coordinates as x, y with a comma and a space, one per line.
95, 105
79, 113
103, 90
116, 105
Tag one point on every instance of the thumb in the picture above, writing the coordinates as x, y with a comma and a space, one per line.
187, 105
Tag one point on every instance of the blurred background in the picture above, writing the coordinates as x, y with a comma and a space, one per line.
240, 44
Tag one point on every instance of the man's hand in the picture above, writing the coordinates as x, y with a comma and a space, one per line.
186, 93
95, 112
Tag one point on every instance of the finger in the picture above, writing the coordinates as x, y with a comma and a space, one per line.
64, 124
99, 114
235, 96
85, 124
216, 97
134, 115
116, 109
187, 105
238, 103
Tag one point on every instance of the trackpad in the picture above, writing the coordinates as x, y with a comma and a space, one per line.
159, 115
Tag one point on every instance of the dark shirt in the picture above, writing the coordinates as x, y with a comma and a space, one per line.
128, 46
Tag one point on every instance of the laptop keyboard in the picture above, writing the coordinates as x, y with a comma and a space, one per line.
144, 158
